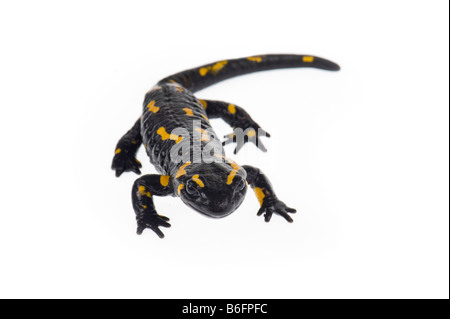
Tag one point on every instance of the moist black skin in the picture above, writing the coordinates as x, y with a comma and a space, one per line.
181, 144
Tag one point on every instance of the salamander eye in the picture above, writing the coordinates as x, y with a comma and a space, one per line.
240, 184
191, 188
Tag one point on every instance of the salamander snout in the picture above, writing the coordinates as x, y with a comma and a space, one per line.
210, 195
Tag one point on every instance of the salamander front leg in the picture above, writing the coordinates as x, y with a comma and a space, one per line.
124, 159
245, 129
143, 191
269, 202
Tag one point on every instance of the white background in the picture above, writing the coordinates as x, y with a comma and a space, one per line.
362, 153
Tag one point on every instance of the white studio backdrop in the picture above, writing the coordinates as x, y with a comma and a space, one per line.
362, 154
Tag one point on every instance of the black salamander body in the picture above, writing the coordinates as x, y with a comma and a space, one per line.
180, 142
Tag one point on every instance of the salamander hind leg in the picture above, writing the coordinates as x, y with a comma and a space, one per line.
124, 159
245, 129
144, 189
270, 204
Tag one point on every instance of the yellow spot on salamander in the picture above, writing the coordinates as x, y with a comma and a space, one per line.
134, 142
233, 173
218, 66
181, 170
203, 71
144, 206
152, 108
214, 69
164, 180
188, 111
259, 195
199, 182
235, 167
179, 89
165, 136
257, 59
308, 59
251, 133
180, 187
232, 108
137, 161
205, 117
205, 136
143, 191
231, 177
203, 102
118, 151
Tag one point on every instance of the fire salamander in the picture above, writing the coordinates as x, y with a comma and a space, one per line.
180, 142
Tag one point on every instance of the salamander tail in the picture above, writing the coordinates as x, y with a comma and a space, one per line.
209, 74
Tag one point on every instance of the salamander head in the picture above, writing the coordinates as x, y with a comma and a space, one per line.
214, 189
